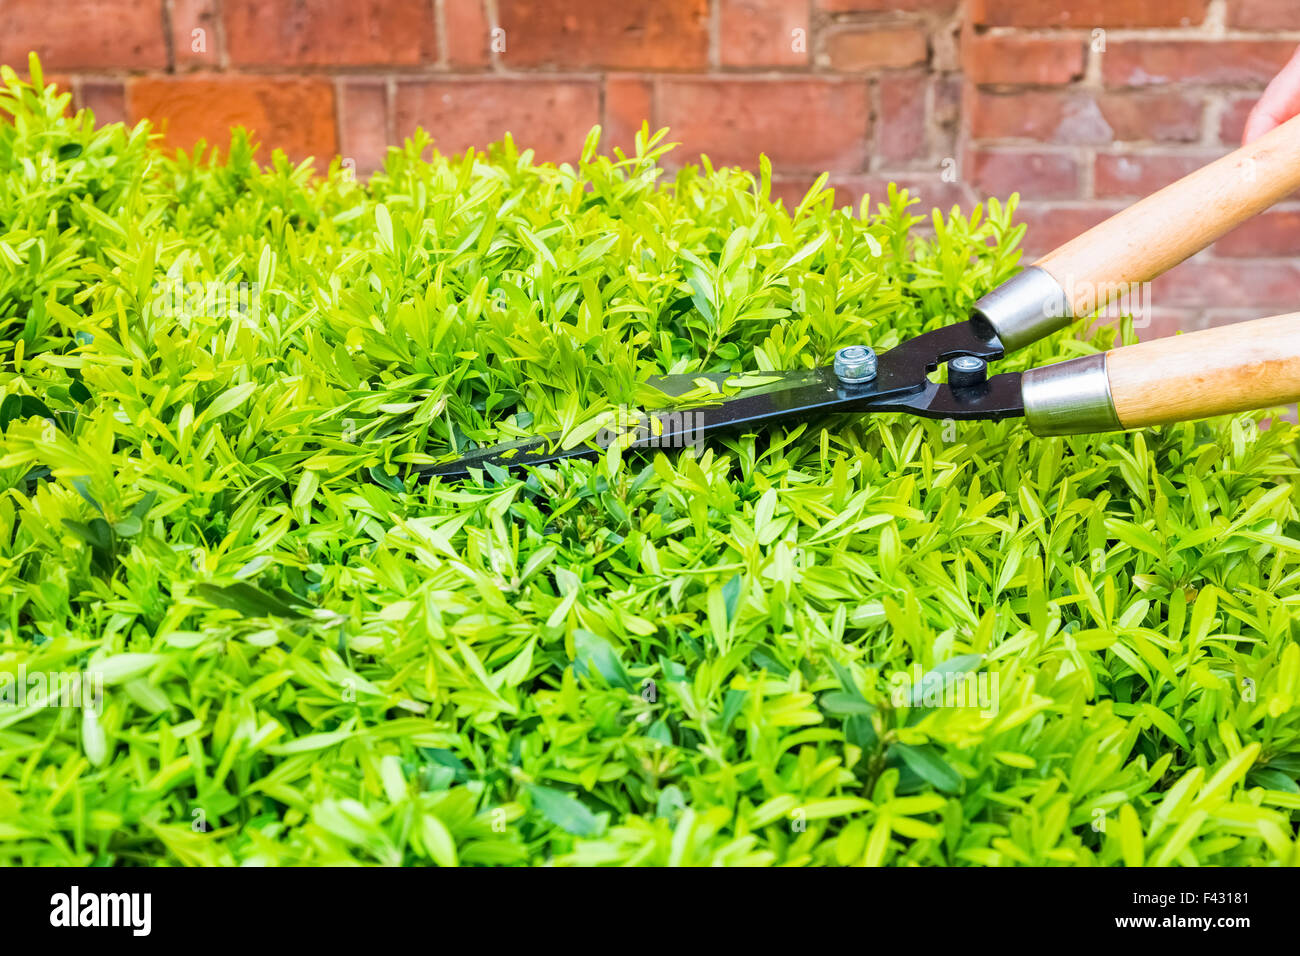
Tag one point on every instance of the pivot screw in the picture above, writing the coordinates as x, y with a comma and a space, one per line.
967, 370
855, 364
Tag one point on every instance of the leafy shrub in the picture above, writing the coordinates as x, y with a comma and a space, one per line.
310, 657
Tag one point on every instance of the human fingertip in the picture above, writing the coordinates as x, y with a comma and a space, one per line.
1257, 125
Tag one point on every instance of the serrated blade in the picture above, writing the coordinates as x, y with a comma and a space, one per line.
901, 385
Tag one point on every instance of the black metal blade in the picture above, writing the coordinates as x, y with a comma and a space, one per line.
901, 385
790, 395
992, 400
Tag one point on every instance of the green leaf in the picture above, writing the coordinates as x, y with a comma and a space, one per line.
565, 812
384, 227
595, 654
120, 668
93, 740
229, 400
438, 840
247, 600
929, 765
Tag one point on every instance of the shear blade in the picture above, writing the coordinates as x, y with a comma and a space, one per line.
901, 385
786, 395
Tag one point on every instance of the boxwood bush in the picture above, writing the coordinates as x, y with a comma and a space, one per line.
218, 376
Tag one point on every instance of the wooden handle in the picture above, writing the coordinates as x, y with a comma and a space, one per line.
1232, 368
1155, 234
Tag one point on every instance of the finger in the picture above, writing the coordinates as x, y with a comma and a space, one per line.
1280, 102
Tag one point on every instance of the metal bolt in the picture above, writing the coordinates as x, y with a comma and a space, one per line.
855, 364
967, 370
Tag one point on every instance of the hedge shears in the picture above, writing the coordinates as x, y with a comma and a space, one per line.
1218, 371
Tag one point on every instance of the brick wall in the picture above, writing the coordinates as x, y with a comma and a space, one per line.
1080, 105
1087, 105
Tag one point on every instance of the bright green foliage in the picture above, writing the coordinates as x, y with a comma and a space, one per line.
661, 659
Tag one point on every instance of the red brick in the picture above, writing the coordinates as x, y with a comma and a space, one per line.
900, 133
1273, 233
94, 34
1232, 124
763, 32
1202, 283
1218, 62
1135, 175
1035, 175
1050, 117
551, 117
1213, 318
875, 48
1077, 117
1022, 59
329, 32
363, 118
1161, 117
948, 102
295, 114
804, 124
1087, 13
629, 101
628, 34
106, 99
467, 32
1167, 322
886, 6
196, 37
1050, 226
1264, 14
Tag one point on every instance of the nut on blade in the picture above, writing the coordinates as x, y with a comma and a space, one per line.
855, 364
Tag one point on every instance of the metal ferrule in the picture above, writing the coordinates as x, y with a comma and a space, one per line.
1069, 398
1025, 308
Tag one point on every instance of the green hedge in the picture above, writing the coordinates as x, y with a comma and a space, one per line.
217, 376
